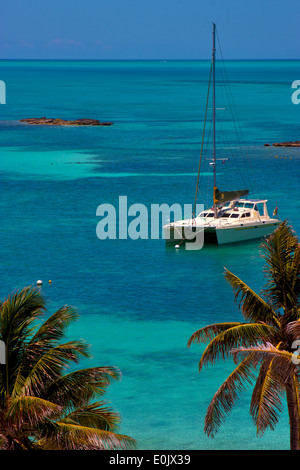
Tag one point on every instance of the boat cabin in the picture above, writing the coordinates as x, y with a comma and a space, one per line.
239, 209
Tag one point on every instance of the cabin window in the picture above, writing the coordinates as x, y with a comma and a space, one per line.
204, 214
248, 205
235, 216
211, 214
225, 215
239, 204
247, 214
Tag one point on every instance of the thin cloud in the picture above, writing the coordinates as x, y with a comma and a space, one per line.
26, 44
101, 45
23, 44
64, 42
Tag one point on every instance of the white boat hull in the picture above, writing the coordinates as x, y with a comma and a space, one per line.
223, 234
244, 233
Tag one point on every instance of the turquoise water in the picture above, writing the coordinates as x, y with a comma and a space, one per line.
139, 301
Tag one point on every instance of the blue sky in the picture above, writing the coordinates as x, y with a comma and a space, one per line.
143, 29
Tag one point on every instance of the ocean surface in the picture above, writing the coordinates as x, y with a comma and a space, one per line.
140, 300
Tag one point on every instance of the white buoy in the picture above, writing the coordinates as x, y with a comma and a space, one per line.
39, 282
177, 246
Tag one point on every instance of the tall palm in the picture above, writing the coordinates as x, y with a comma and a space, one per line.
41, 406
264, 346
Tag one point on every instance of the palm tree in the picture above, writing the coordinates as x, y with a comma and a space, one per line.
41, 406
264, 346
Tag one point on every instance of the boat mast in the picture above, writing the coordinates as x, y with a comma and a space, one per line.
214, 116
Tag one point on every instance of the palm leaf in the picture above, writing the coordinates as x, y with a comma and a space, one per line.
209, 332
95, 415
253, 307
244, 333
17, 317
50, 366
66, 436
224, 399
42, 341
266, 401
283, 364
34, 392
4, 442
53, 328
292, 329
281, 253
76, 388
293, 402
30, 411
18, 312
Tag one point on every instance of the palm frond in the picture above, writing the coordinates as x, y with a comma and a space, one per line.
244, 333
293, 403
18, 312
226, 396
41, 342
34, 392
66, 436
294, 269
292, 330
4, 442
50, 366
53, 328
207, 333
283, 364
18, 315
76, 388
281, 252
266, 401
253, 307
30, 411
94, 415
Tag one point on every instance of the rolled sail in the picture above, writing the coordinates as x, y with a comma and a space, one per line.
224, 196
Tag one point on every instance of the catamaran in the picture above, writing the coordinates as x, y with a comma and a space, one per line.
233, 217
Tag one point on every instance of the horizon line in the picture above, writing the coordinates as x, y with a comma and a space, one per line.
142, 60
